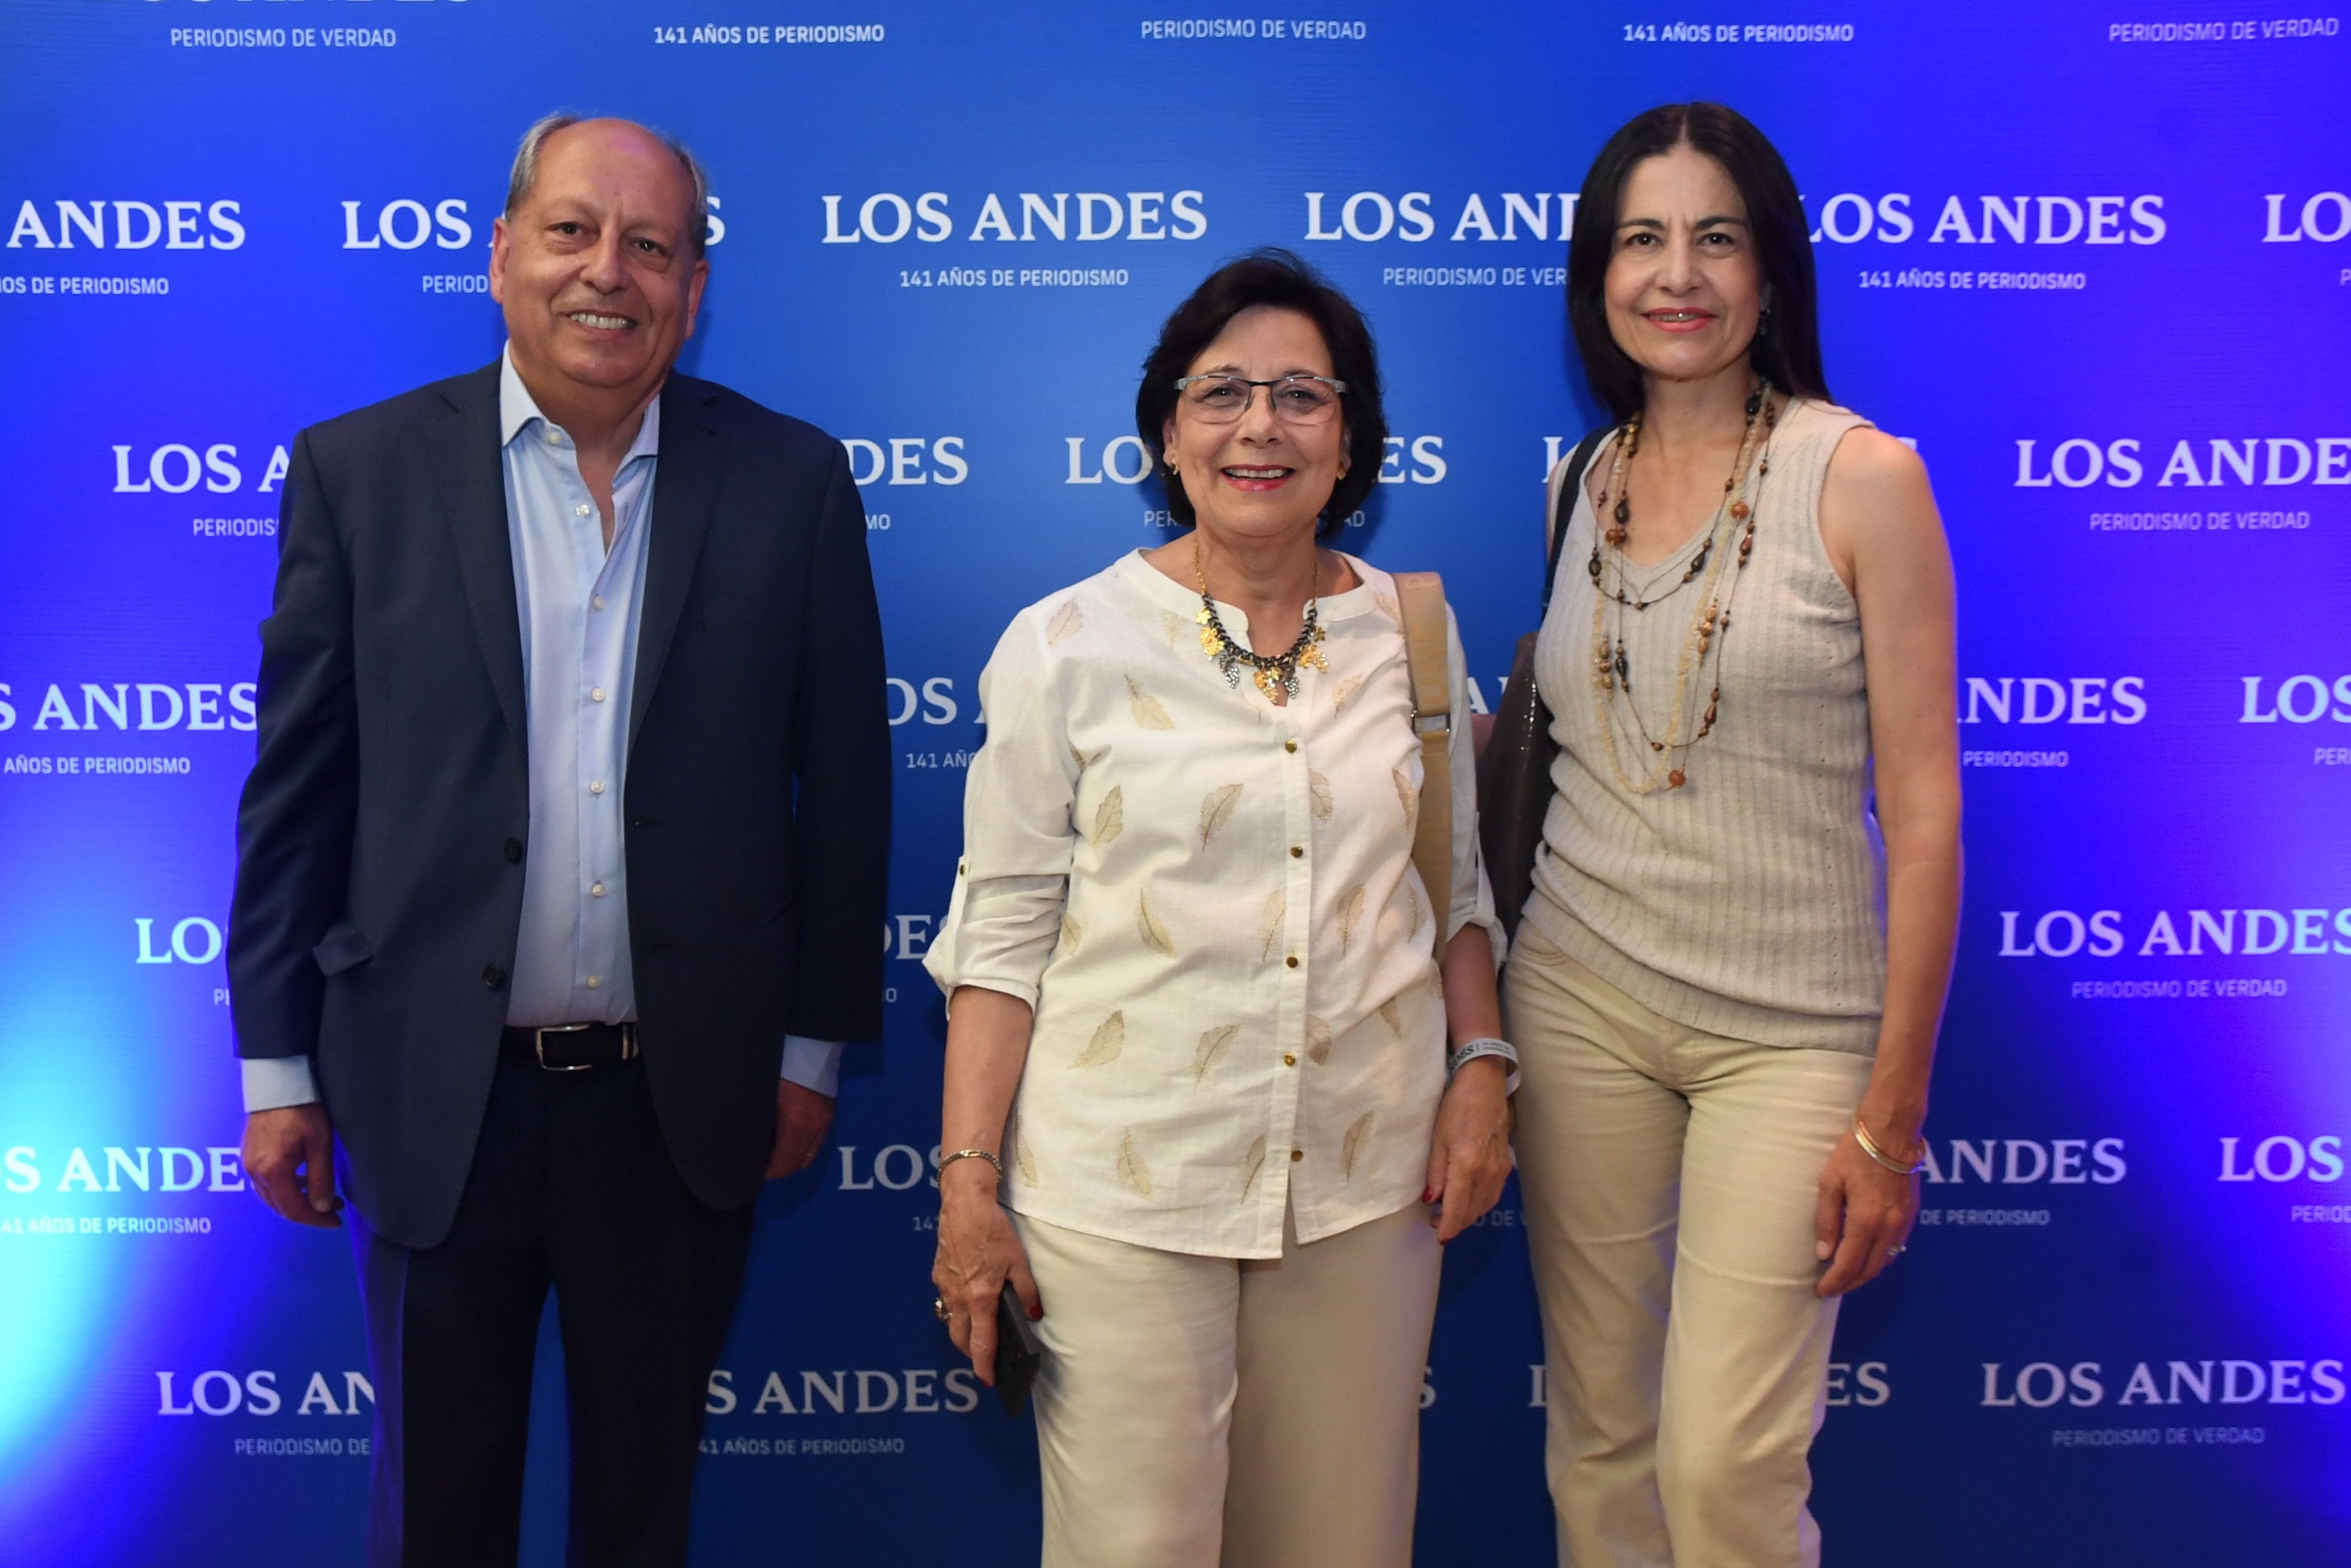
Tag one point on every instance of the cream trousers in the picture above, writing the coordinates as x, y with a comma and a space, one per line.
1193, 1412
1671, 1179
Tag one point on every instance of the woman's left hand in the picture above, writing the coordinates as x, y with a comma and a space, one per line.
1469, 1158
1863, 1218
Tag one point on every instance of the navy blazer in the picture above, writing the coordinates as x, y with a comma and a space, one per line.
380, 839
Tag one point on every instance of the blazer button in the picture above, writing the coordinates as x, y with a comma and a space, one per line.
493, 975
513, 852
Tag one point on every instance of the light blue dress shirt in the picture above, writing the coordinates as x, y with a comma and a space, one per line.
579, 604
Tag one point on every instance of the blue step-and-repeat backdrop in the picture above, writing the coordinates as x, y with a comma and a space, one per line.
2094, 259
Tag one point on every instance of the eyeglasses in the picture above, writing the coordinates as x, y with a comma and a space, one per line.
1295, 399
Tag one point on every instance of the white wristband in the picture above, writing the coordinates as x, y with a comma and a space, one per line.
1472, 1050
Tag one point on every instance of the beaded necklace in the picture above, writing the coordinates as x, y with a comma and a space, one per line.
1718, 579
1272, 672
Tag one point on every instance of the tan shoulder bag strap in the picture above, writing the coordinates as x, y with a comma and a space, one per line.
1420, 600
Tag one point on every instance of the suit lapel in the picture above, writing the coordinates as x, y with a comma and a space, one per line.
685, 491
470, 475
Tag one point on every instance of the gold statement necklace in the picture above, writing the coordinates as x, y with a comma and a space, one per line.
1716, 577
1272, 672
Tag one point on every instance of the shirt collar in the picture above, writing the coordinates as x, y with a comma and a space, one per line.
518, 409
1370, 583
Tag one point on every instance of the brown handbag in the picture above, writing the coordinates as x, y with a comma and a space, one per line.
1514, 771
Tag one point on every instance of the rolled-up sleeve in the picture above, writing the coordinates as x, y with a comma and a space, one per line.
1012, 883
1473, 896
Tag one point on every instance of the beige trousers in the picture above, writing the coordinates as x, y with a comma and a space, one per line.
1194, 1411
1671, 1179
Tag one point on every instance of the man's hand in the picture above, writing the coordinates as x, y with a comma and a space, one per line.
289, 1154
802, 1118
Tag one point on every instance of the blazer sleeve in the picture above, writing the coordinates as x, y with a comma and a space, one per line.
841, 765
297, 815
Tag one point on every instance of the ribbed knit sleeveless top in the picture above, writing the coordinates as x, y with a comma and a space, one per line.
1749, 902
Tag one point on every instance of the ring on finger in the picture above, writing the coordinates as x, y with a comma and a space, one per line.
939, 1309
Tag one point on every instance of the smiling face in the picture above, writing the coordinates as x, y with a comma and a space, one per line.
1684, 286
596, 270
1260, 478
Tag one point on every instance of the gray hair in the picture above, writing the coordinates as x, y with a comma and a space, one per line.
526, 171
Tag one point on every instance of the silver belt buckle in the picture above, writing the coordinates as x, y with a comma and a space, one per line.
539, 1046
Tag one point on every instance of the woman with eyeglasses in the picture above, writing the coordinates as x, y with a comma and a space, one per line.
1204, 1041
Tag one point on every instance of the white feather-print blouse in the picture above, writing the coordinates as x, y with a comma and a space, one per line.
1210, 903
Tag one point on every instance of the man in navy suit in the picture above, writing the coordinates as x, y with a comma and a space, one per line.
561, 861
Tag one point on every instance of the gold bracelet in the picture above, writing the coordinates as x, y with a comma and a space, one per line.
1869, 1146
973, 1155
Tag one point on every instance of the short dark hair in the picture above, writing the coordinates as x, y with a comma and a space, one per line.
1283, 280
525, 173
1787, 346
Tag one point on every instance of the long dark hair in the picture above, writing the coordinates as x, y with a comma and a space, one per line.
1281, 278
1787, 346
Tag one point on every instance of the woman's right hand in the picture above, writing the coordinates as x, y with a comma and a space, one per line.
979, 1251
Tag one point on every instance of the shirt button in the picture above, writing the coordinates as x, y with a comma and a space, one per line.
1289, 746
551, 438
597, 693
1296, 852
595, 786
597, 602
580, 510
598, 890
593, 982
1289, 1060
1291, 960
1297, 1153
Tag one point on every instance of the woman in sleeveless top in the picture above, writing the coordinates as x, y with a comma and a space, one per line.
1728, 981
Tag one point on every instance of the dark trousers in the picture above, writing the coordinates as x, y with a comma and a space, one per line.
572, 1187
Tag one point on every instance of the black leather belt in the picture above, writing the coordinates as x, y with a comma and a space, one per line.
573, 1047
